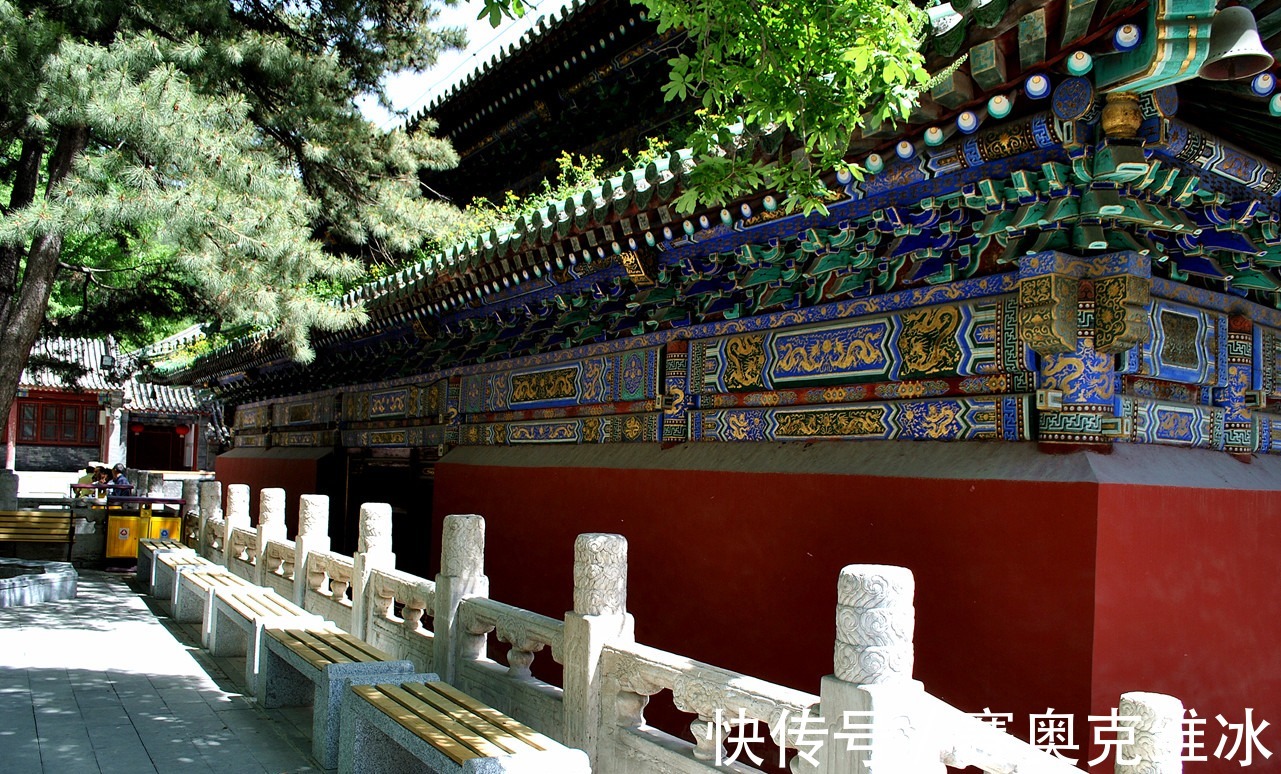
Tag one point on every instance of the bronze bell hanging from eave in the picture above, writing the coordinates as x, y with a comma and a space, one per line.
1235, 48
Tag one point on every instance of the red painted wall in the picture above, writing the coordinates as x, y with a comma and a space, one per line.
1189, 604
739, 569
297, 477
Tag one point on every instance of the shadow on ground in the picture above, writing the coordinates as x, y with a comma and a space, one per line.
104, 683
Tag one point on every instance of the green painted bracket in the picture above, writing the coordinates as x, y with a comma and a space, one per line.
850, 283
1176, 42
1119, 163
1254, 280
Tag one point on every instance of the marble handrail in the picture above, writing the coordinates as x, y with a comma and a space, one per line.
703, 689
417, 596
329, 573
242, 544
279, 559
527, 632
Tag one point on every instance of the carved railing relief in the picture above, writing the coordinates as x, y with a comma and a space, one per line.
215, 535
526, 632
329, 574
242, 545
278, 558
700, 689
416, 597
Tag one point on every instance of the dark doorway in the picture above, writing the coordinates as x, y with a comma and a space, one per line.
154, 447
404, 482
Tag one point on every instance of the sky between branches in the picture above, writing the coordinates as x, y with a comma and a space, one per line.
415, 90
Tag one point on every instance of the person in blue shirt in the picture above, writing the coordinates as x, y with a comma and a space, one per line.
120, 484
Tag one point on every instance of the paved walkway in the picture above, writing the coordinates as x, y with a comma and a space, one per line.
103, 683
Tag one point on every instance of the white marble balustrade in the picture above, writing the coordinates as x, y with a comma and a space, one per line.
450, 626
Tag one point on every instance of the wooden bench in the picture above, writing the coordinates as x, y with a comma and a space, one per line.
164, 577
236, 617
148, 549
314, 666
42, 526
434, 727
193, 593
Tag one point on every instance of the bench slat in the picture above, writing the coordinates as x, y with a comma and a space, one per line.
322, 647
474, 723
175, 558
261, 604
314, 651
164, 545
339, 645
312, 647
360, 650
43, 512
461, 742
59, 530
453, 748
206, 580
498, 727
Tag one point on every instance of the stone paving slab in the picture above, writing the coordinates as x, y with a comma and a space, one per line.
105, 683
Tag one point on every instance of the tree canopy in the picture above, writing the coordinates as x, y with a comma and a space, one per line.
809, 73
216, 142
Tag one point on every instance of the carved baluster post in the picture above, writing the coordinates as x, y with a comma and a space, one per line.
237, 517
462, 575
871, 699
271, 526
598, 618
411, 614
373, 550
313, 535
1157, 721
210, 508
190, 510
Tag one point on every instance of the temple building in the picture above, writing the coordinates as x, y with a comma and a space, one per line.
79, 401
1032, 356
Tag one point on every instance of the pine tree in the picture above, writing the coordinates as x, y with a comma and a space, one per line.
223, 130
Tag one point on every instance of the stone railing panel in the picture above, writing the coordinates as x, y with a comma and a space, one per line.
640, 671
329, 574
242, 545
328, 580
278, 566
242, 542
389, 635
405, 635
526, 632
215, 540
415, 595
278, 558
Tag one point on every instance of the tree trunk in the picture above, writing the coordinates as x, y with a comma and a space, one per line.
25, 182
30, 303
